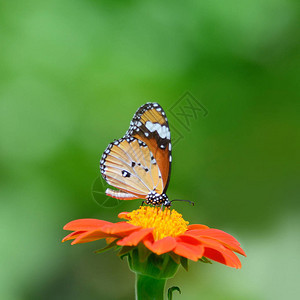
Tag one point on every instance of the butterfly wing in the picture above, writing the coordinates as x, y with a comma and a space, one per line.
128, 165
150, 125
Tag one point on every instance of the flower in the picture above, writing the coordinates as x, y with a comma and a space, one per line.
162, 232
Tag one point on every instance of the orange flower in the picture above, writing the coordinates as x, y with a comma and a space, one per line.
161, 231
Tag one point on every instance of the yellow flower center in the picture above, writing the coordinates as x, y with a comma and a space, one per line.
164, 222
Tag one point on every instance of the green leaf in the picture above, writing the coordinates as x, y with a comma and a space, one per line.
143, 252
124, 251
184, 263
109, 246
171, 290
124, 255
205, 260
175, 257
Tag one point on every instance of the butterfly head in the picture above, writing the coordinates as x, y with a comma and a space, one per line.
157, 199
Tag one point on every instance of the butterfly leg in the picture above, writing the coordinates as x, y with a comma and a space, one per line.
143, 202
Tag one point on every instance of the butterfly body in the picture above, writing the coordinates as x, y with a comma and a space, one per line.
157, 199
139, 163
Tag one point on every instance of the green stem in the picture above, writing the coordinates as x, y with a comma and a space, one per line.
149, 288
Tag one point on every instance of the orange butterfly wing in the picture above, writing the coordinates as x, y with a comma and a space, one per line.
127, 165
140, 162
150, 125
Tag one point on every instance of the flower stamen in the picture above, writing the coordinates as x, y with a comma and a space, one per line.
165, 222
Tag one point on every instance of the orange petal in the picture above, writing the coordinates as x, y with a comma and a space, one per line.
223, 256
164, 245
90, 236
236, 249
189, 248
197, 226
218, 235
85, 224
123, 215
214, 250
189, 239
72, 235
134, 238
120, 228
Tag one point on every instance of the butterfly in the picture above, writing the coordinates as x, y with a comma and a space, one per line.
138, 165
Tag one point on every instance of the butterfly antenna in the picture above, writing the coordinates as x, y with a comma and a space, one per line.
190, 202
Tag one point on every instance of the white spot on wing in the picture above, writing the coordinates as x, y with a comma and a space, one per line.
152, 127
163, 131
168, 135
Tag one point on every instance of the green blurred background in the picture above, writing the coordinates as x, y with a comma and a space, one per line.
72, 74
